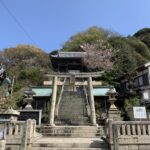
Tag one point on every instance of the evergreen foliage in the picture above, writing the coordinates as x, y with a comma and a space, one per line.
144, 35
131, 102
91, 36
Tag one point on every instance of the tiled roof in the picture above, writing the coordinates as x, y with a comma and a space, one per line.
70, 54
42, 91
102, 91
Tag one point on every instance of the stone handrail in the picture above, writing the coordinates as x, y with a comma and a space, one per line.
126, 134
87, 102
21, 133
127, 128
15, 128
60, 97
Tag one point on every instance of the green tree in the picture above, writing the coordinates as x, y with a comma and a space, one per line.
130, 54
34, 75
144, 36
90, 36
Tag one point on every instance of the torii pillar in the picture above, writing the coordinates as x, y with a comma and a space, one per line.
53, 102
91, 100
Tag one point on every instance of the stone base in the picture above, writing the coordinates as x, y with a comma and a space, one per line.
52, 125
114, 114
30, 114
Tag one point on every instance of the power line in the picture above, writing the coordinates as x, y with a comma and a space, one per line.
17, 22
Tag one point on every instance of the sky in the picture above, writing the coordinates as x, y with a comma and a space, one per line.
48, 24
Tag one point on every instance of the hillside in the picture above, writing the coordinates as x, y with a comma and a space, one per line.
27, 64
128, 52
144, 36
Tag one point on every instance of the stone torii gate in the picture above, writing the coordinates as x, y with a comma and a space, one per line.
55, 84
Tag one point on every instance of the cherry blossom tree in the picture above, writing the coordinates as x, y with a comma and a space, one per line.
99, 55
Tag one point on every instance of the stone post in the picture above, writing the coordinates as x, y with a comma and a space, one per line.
2, 144
24, 137
109, 132
115, 137
53, 102
92, 103
28, 134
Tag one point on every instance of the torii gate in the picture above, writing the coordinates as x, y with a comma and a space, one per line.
55, 82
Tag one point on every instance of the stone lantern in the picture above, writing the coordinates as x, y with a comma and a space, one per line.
112, 98
28, 100
28, 112
113, 112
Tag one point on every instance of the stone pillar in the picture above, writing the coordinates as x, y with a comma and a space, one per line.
91, 100
53, 102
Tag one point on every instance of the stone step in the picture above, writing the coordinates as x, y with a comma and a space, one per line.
66, 122
71, 102
73, 120
69, 143
73, 114
72, 131
48, 148
65, 102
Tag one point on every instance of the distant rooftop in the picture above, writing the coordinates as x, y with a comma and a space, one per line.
101, 91
41, 91
70, 54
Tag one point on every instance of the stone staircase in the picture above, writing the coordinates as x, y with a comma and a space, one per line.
72, 109
73, 130
71, 138
69, 144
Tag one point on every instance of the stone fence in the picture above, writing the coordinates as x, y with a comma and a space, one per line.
19, 134
129, 135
